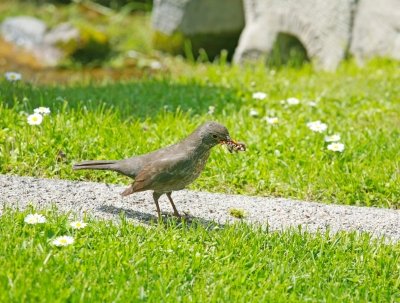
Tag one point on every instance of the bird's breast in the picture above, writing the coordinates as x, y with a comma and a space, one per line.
199, 163
193, 169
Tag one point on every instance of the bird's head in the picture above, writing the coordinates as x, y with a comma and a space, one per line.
213, 133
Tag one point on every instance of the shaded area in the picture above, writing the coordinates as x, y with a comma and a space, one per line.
204, 47
168, 218
138, 98
287, 51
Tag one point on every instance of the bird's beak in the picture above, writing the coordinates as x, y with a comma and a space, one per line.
225, 141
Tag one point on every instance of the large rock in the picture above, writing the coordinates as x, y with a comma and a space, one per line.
62, 34
208, 24
323, 28
376, 31
24, 31
28, 33
84, 44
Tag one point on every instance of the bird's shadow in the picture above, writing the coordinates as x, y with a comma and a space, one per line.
167, 218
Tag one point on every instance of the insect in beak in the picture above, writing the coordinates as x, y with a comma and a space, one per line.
233, 146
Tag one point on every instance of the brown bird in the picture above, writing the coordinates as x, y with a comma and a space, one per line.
170, 168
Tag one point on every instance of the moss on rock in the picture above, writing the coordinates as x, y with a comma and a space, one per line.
93, 46
173, 44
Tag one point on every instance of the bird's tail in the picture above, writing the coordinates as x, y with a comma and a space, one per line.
96, 164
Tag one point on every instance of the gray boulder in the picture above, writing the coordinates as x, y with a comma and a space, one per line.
24, 31
208, 24
59, 42
323, 28
84, 44
63, 33
29, 33
376, 31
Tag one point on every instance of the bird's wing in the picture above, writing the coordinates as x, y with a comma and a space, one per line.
161, 172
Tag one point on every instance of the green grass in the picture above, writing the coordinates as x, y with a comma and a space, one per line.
118, 120
179, 263
174, 262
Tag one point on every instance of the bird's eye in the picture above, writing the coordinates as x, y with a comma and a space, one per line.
215, 136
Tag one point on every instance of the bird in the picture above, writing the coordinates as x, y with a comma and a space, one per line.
170, 168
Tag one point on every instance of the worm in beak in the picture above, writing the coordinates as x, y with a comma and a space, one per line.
234, 146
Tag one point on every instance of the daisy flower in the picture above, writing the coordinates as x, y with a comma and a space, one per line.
34, 219
35, 119
333, 138
259, 96
211, 109
271, 120
336, 147
312, 103
253, 113
78, 224
12, 76
317, 126
63, 241
292, 101
42, 110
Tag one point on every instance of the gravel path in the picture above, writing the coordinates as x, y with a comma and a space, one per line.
103, 201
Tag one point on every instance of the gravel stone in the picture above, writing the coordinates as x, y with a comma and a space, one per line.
103, 201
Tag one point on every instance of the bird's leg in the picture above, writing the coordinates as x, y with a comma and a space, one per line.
176, 213
157, 196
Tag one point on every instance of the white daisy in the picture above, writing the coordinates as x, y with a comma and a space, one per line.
34, 219
12, 76
35, 119
63, 241
271, 120
253, 113
42, 110
292, 101
211, 109
317, 126
333, 138
312, 103
336, 147
78, 224
259, 96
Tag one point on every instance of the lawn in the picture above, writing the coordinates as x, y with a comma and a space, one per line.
179, 263
268, 109
113, 120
